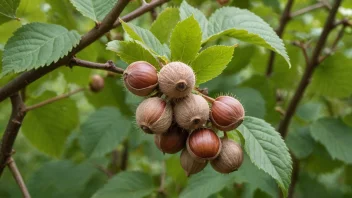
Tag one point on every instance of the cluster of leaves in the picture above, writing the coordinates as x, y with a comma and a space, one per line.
87, 130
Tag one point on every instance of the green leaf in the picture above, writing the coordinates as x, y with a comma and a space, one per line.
131, 51
300, 142
185, 40
60, 13
8, 8
252, 101
240, 60
333, 77
127, 184
187, 10
211, 62
246, 26
309, 111
48, 127
103, 131
336, 136
146, 37
94, 9
36, 45
267, 150
165, 23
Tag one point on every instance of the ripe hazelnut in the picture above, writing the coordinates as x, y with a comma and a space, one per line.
227, 113
230, 157
191, 112
140, 78
154, 115
172, 141
190, 165
203, 144
176, 80
96, 83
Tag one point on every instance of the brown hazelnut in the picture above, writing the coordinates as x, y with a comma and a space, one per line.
203, 144
230, 157
172, 141
190, 165
227, 113
140, 78
191, 112
96, 83
154, 115
176, 80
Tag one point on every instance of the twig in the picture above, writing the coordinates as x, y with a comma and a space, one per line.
308, 9
108, 66
333, 47
294, 177
18, 177
124, 157
12, 129
303, 48
104, 170
54, 99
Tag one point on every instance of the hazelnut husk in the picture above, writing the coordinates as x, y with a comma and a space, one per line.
191, 112
190, 165
203, 144
172, 141
96, 83
227, 113
230, 157
140, 78
176, 80
154, 115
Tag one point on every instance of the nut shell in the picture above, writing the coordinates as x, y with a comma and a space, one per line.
140, 78
227, 113
230, 157
96, 83
203, 144
172, 141
154, 115
190, 165
191, 112
176, 80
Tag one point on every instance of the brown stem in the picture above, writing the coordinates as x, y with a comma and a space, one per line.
308, 9
207, 98
333, 47
304, 50
18, 177
104, 170
54, 99
294, 177
12, 129
108, 66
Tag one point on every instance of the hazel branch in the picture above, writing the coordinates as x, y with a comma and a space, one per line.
18, 177
333, 47
303, 48
302, 11
108, 66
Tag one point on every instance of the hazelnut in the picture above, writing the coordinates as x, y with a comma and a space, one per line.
96, 83
191, 112
176, 80
172, 141
203, 144
230, 157
140, 78
227, 113
190, 165
154, 115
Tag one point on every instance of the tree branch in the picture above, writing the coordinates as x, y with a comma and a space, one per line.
54, 99
308, 9
18, 177
108, 66
304, 50
12, 129
333, 47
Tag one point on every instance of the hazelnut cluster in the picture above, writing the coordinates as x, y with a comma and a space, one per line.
180, 117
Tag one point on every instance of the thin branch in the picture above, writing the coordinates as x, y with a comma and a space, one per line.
54, 99
333, 47
18, 177
294, 177
308, 9
12, 129
304, 50
104, 170
125, 156
108, 66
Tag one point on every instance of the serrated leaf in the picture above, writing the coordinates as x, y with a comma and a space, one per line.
146, 37
127, 184
164, 24
246, 26
333, 77
60, 13
103, 131
267, 150
94, 9
252, 101
185, 40
48, 127
336, 136
187, 10
36, 45
131, 51
211, 62
8, 8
